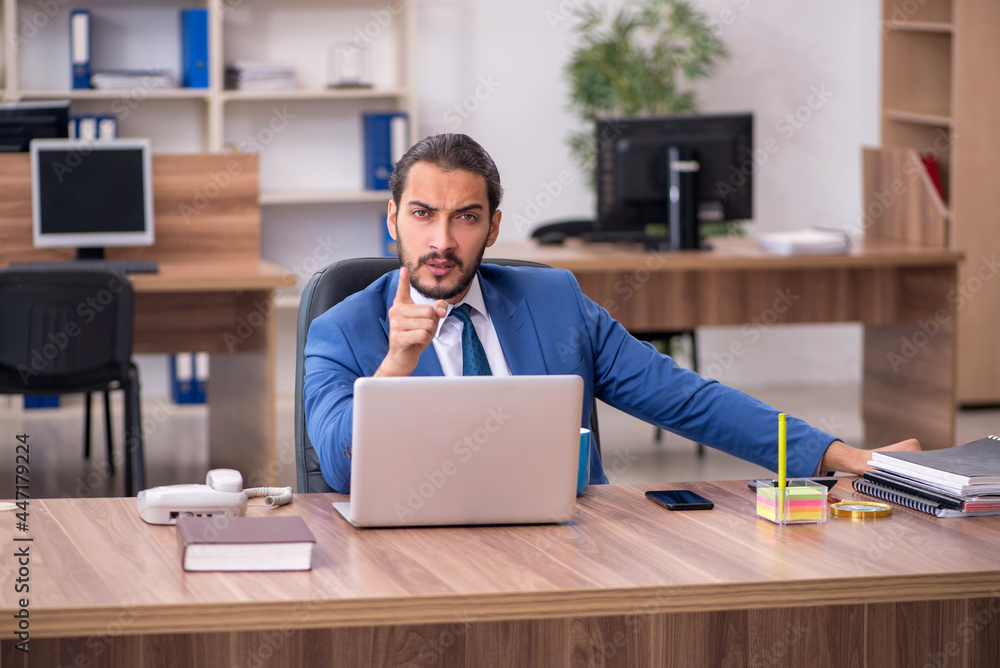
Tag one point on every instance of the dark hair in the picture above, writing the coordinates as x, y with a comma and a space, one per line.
450, 152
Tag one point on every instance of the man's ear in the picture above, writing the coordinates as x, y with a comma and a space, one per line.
494, 227
390, 220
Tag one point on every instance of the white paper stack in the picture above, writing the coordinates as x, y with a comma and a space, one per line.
131, 79
804, 242
254, 75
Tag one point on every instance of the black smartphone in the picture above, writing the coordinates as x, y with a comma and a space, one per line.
829, 483
679, 499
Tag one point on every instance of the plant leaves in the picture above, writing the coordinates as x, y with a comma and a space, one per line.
639, 60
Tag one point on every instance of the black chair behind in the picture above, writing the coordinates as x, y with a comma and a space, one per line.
558, 231
69, 331
328, 287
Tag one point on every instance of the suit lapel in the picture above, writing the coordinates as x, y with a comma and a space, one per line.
428, 364
514, 327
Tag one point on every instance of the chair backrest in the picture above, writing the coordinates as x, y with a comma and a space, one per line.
327, 287
63, 330
570, 227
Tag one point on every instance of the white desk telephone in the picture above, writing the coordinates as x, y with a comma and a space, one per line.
222, 494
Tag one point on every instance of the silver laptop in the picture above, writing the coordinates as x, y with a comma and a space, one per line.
431, 451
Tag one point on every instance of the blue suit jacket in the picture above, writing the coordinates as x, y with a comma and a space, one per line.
546, 326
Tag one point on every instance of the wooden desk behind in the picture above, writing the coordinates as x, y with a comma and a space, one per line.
903, 293
225, 309
212, 294
625, 583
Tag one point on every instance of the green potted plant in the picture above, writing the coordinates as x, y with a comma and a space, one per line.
640, 60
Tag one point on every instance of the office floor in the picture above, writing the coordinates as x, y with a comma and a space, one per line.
176, 446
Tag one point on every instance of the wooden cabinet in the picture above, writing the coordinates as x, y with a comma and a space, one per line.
941, 95
309, 139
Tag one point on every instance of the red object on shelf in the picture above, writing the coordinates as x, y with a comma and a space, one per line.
931, 165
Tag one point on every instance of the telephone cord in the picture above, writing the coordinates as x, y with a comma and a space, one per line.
273, 496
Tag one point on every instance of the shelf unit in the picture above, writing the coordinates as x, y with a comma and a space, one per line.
940, 95
34, 65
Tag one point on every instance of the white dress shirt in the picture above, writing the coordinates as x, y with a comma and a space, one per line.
448, 340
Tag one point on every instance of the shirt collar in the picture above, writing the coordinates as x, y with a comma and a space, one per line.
474, 298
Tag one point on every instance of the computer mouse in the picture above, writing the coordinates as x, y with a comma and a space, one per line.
551, 238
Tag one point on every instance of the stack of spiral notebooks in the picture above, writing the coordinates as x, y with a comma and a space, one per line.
954, 482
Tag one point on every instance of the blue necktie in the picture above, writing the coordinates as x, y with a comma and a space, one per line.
474, 362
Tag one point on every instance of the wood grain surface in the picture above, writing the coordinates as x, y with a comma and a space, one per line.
625, 583
901, 201
733, 253
735, 282
976, 199
96, 560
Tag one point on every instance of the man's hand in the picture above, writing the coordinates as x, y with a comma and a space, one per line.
411, 329
842, 457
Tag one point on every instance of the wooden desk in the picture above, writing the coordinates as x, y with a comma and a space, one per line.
626, 583
212, 294
225, 309
903, 293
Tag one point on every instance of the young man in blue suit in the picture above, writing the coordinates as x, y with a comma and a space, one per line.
443, 215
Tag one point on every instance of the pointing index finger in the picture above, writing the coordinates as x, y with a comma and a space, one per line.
403, 289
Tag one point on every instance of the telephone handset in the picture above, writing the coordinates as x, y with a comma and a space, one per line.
222, 494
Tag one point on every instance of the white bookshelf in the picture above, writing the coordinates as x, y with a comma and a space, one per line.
72, 95
318, 160
274, 197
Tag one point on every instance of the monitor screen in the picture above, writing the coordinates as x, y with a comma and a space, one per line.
89, 195
659, 177
20, 122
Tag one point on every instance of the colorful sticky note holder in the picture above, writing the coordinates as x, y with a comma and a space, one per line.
804, 502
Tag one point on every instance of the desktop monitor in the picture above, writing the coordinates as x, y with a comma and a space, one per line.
20, 122
659, 177
88, 195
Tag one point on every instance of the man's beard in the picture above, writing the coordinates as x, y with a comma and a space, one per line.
439, 291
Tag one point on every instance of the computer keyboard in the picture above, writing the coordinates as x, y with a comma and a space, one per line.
614, 236
118, 265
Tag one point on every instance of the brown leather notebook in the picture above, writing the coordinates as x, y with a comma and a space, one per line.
244, 543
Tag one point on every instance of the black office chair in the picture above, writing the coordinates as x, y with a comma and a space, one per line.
330, 286
559, 230
70, 330
87, 414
